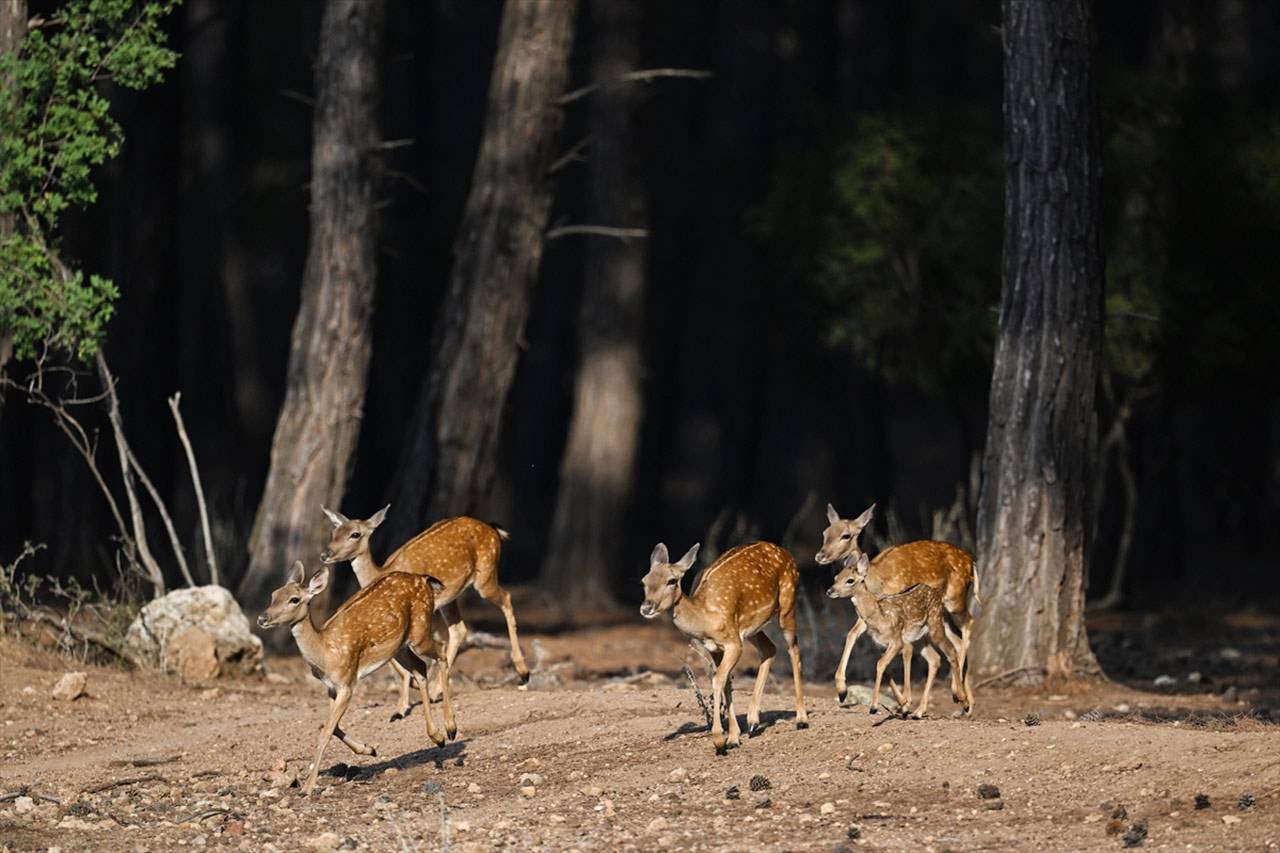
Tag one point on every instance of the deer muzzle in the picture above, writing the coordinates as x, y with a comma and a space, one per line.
648, 610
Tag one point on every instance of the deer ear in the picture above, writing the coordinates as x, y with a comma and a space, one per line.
687, 560
337, 519
865, 519
832, 515
659, 555
296, 573
437, 585
319, 581
378, 517
864, 563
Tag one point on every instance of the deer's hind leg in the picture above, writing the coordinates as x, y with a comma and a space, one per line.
931, 657
451, 613
941, 636
486, 583
426, 649
787, 622
768, 651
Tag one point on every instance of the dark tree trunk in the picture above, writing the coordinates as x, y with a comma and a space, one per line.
589, 528
448, 461
1033, 515
13, 26
319, 422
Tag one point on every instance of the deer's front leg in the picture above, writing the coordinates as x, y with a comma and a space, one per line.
852, 637
726, 661
907, 649
890, 653
336, 710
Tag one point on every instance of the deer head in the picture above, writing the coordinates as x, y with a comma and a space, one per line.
662, 583
840, 539
290, 602
350, 535
846, 582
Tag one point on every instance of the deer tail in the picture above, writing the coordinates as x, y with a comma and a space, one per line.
502, 532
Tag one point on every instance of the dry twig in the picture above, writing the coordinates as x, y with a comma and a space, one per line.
174, 401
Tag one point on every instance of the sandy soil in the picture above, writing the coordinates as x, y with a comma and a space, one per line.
148, 763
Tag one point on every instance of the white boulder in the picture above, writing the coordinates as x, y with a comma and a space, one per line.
166, 634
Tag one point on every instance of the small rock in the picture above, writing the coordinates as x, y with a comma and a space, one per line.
528, 791
988, 792
1119, 813
71, 686
656, 825
827, 808
1229, 653
993, 805
210, 694
473, 788
884, 747
235, 828
1195, 677
431, 787
763, 803
324, 841
1163, 681
1202, 801
1122, 708
528, 764
733, 793
678, 775
853, 832
607, 807
1230, 819
760, 783
576, 776
556, 818
534, 779
465, 825
23, 805
1245, 802
1135, 835
593, 791
277, 678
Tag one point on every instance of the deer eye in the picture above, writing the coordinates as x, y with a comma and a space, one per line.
355, 535
847, 536
294, 600
671, 582
849, 581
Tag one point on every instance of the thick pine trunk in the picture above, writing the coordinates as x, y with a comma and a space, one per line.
329, 354
588, 529
448, 460
1033, 514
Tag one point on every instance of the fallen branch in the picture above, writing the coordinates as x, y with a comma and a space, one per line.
120, 783
84, 636
647, 75
697, 694
986, 682
145, 761
623, 234
195, 484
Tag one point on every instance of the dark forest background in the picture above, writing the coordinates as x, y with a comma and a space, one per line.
820, 282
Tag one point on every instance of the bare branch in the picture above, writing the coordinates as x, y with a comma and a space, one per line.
135, 509
647, 75
573, 155
623, 234
174, 542
212, 562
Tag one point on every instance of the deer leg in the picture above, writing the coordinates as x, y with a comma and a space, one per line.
931, 657
907, 650
958, 609
727, 660
731, 716
354, 745
890, 652
787, 622
767, 653
336, 710
852, 637
405, 705
487, 585
451, 613
941, 636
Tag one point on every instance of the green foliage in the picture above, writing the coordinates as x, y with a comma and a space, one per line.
895, 227
55, 129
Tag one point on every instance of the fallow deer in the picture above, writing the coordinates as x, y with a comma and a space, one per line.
943, 566
366, 632
461, 552
896, 622
732, 600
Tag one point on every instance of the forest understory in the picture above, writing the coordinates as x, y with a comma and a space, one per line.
606, 749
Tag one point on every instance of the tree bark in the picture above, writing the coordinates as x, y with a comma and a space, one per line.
13, 28
589, 526
447, 465
1033, 514
311, 453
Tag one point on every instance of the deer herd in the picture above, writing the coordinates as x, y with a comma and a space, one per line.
918, 592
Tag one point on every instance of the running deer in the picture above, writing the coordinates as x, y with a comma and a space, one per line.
461, 552
943, 566
896, 622
732, 601
365, 633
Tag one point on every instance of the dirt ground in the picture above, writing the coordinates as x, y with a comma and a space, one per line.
622, 761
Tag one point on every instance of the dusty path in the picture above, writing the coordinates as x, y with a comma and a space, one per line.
617, 766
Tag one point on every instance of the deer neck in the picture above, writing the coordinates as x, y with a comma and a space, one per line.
366, 568
866, 602
691, 617
310, 641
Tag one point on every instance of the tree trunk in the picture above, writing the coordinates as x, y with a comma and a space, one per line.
1033, 514
589, 530
13, 27
329, 352
447, 465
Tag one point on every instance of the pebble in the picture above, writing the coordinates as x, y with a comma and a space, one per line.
473, 788
556, 818
988, 792
23, 805
71, 686
534, 779
528, 791
324, 841
1230, 819
593, 791
827, 808
576, 776
884, 747
528, 764
277, 678
678, 775
656, 825
1164, 681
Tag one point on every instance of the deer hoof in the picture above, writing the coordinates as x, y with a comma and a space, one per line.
840, 696
753, 729
873, 710
451, 731
802, 724
524, 676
